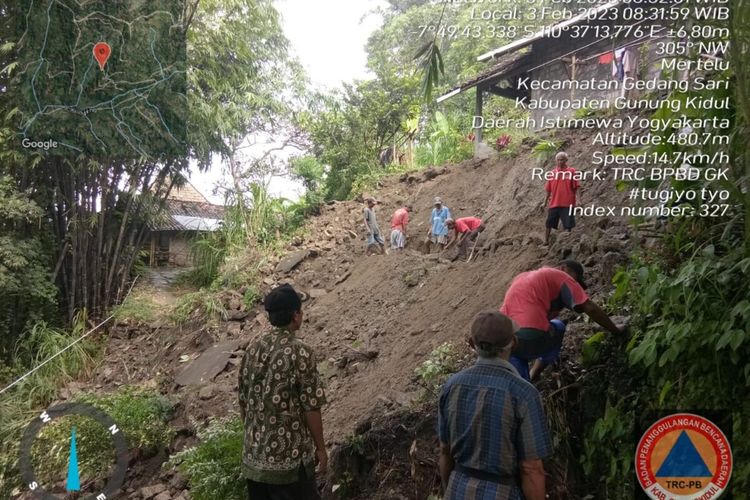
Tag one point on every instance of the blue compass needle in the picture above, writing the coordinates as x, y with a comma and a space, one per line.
74, 481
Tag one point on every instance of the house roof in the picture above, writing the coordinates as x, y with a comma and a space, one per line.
510, 60
181, 215
505, 66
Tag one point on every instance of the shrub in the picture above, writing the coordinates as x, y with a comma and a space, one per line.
442, 363
214, 467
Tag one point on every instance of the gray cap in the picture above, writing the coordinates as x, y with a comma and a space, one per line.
493, 328
437, 201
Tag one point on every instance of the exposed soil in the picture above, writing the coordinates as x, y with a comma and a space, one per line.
373, 320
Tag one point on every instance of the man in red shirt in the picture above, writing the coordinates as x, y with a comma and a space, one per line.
462, 231
561, 195
399, 221
534, 300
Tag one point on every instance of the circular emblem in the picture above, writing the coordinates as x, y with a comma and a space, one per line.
683, 456
116, 475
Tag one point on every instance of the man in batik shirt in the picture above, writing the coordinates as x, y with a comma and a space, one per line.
280, 396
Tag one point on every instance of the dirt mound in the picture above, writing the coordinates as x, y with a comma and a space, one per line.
372, 320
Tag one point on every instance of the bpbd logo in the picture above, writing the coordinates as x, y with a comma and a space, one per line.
683, 456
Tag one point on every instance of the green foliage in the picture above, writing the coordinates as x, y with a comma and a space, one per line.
608, 458
445, 143
590, 350
214, 466
139, 306
238, 59
141, 416
442, 363
28, 293
205, 303
350, 128
40, 343
546, 150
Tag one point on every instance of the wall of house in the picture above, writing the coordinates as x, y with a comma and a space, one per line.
179, 250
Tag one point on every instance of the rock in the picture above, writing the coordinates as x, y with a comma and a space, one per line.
237, 315
342, 362
610, 262
206, 392
208, 365
316, 293
436, 327
414, 333
148, 492
363, 426
413, 277
268, 281
291, 261
234, 328
178, 482
607, 244
163, 496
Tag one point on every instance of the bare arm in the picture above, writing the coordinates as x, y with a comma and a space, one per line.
315, 423
532, 479
445, 464
595, 312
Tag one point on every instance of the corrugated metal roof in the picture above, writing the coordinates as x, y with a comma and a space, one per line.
180, 215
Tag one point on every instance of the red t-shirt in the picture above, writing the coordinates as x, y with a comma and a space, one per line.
400, 219
562, 187
466, 224
535, 297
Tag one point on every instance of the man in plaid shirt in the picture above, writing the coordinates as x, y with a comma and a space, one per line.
492, 429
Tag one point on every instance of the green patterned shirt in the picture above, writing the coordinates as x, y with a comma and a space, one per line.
279, 381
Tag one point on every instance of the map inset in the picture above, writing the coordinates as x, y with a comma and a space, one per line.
102, 78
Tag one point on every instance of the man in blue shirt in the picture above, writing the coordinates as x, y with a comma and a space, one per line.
491, 424
438, 233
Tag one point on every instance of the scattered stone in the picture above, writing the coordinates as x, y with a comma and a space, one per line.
610, 262
148, 492
268, 281
436, 327
414, 333
163, 496
344, 277
234, 328
208, 365
206, 392
363, 426
316, 293
235, 304
291, 261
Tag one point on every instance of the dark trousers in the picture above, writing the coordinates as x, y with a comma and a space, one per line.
304, 489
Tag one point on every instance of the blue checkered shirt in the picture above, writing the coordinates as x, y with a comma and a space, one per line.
491, 418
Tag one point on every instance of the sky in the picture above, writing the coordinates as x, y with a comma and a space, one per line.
328, 37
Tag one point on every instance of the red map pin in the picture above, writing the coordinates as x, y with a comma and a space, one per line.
102, 51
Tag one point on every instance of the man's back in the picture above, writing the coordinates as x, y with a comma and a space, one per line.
535, 295
491, 419
278, 383
400, 219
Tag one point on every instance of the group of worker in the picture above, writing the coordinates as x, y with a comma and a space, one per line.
561, 189
443, 231
492, 430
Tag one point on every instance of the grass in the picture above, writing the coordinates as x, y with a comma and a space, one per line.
22, 403
141, 415
139, 306
214, 467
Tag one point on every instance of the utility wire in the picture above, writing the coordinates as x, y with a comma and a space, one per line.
33, 370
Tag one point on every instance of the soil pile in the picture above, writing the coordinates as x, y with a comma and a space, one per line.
372, 320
